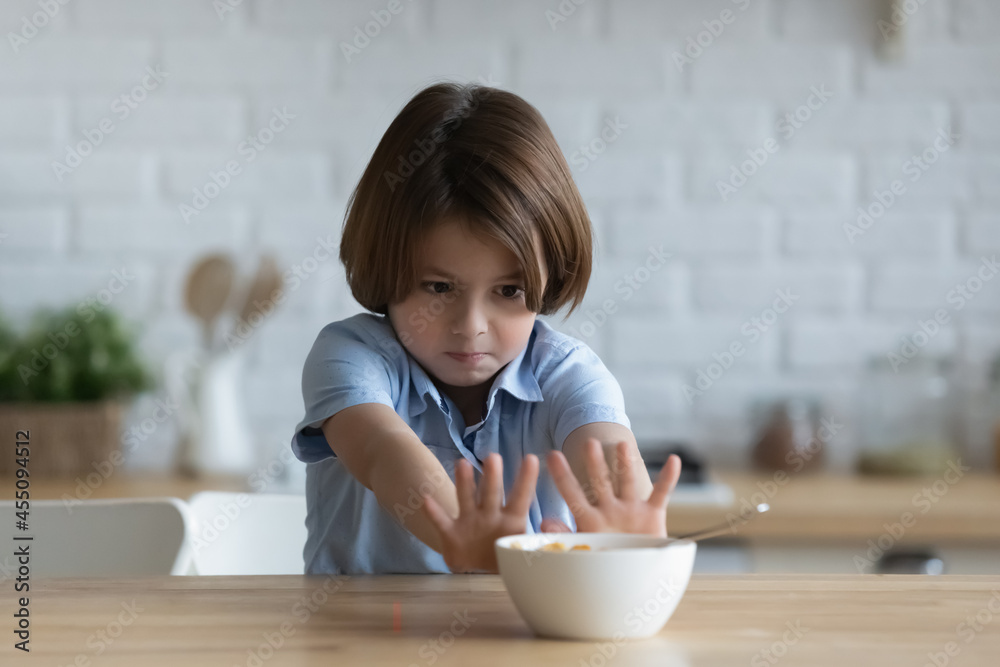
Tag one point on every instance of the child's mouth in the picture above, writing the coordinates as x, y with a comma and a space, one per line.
470, 359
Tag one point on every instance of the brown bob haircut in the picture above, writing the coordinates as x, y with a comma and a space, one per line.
479, 155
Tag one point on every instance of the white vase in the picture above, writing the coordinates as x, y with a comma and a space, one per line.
225, 444
215, 437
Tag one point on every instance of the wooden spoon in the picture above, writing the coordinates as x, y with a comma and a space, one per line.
266, 282
206, 291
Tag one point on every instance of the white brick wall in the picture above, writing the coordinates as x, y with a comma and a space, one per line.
685, 128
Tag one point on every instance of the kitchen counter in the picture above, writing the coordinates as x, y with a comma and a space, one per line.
123, 485
836, 507
396, 620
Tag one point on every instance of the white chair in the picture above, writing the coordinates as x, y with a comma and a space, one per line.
248, 533
98, 538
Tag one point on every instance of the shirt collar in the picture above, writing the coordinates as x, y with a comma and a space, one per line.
517, 379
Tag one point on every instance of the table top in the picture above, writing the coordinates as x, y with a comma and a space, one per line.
406, 620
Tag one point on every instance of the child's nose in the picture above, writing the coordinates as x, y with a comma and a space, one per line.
469, 318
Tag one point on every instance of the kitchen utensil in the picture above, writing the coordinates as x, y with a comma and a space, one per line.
727, 527
206, 291
265, 283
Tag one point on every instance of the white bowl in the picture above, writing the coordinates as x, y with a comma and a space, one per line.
628, 591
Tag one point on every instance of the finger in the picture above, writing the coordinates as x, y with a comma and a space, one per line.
598, 475
626, 473
491, 486
465, 486
666, 481
554, 525
524, 487
569, 487
437, 516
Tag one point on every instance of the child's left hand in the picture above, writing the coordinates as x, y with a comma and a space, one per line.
468, 539
608, 513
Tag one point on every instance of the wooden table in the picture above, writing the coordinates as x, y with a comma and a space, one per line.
855, 620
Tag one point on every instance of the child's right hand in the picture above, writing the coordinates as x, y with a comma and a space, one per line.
468, 539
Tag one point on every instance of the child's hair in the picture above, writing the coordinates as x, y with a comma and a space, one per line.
485, 157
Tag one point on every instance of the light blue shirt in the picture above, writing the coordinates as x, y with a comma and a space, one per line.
555, 385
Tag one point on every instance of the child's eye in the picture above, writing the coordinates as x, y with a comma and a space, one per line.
433, 285
517, 291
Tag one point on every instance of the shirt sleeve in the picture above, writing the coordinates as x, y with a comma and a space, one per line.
342, 369
581, 390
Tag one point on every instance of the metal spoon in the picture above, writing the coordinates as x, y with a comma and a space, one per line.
715, 531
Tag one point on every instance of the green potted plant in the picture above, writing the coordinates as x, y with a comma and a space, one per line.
66, 380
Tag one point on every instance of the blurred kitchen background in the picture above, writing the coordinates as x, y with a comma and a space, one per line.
823, 176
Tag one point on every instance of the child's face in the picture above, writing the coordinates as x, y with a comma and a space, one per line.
475, 305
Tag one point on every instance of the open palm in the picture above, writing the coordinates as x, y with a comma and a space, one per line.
468, 539
603, 511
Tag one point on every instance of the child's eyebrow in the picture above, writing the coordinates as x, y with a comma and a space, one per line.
437, 271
